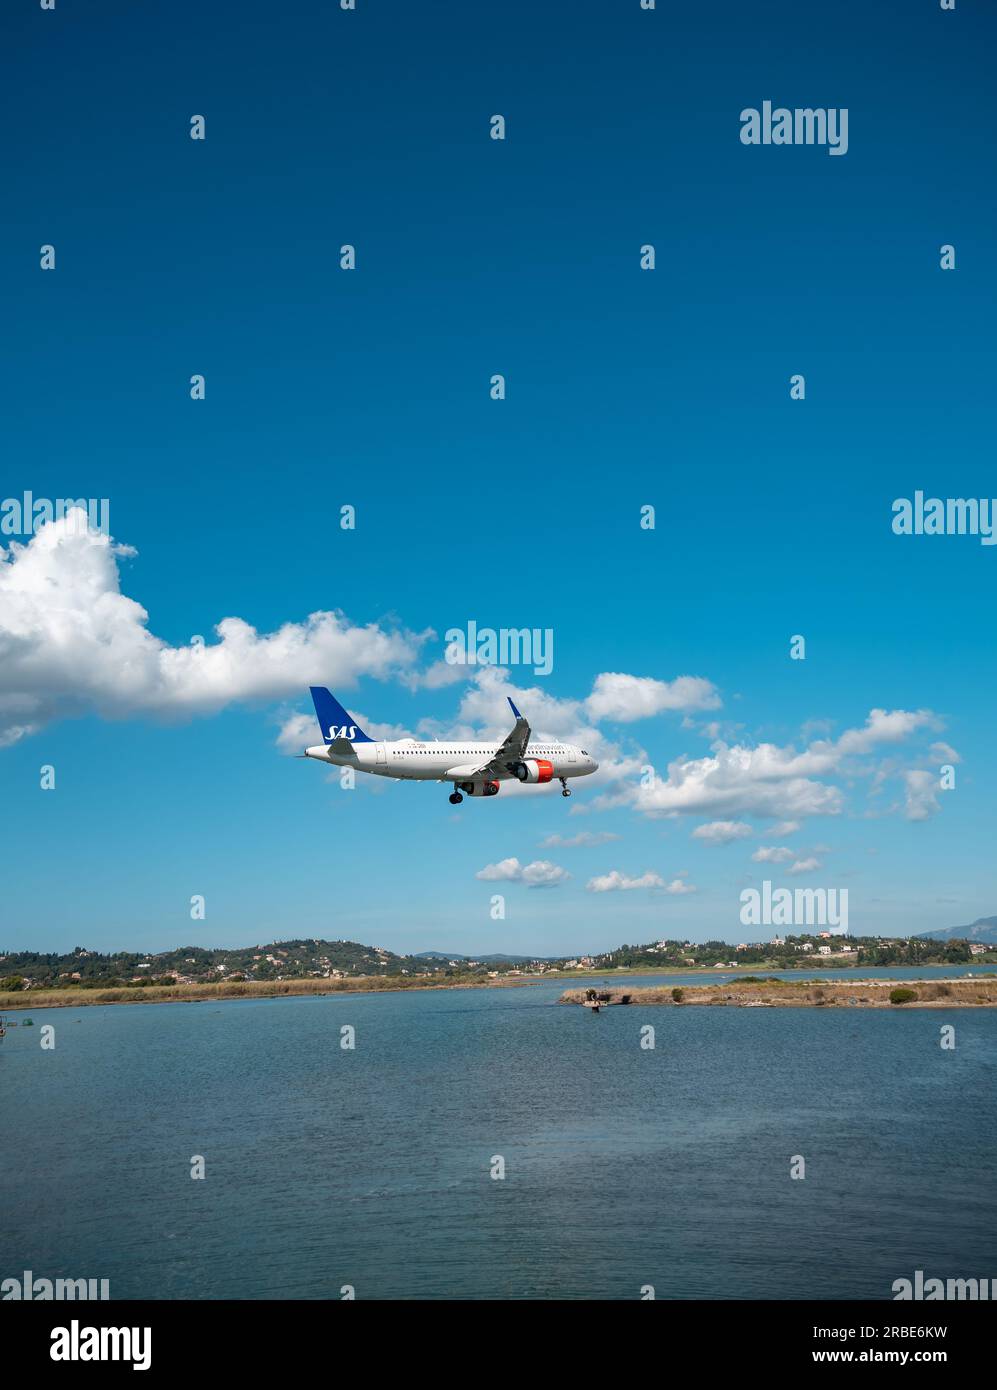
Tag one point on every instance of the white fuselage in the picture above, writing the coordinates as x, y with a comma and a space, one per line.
456, 762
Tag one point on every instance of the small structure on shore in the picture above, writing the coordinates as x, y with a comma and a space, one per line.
597, 999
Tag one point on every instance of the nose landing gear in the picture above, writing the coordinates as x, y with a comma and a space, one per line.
455, 798
564, 787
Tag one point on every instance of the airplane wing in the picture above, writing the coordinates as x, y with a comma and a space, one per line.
512, 750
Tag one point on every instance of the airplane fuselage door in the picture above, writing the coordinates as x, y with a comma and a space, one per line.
382, 756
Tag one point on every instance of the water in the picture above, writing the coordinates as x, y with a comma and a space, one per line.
624, 1167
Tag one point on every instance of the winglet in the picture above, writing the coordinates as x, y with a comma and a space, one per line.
514, 709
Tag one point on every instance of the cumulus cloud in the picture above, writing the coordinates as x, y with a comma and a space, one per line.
624, 698
587, 838
921, 800
883, 726
762, 781
786, 827
944, 753
722, 832
71, 643
773, 854
297, 732
449, 671
615, 882
540, 874
804, 866
772, 781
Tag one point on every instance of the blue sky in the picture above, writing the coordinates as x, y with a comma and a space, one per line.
371, 388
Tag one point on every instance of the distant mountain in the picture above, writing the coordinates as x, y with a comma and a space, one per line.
299, 958
983, 929
316, 958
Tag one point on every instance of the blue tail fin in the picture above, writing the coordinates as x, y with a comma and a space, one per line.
333, 719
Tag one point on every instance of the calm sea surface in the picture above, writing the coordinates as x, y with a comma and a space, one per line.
623, 1166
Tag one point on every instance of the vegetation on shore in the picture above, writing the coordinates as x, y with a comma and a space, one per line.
748, 992
315, 966
313, 958
744, 990
233, 989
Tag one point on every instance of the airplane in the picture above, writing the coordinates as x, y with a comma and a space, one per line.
474, 768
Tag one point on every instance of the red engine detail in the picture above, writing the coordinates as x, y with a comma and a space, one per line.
537, 770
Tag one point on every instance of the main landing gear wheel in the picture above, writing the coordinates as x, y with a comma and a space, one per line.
564, 788
455, 798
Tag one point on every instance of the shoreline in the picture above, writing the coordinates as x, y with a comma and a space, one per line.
22, 1001
952, 993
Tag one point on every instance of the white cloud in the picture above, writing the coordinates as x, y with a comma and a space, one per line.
804, 866
588, 838
504, 869
921, 799
71, 643
883, 727
763, 781
768, 780
624, 698
944, 753
615, 882
540, 874
722, 832
297, 732
773, 854
449, 671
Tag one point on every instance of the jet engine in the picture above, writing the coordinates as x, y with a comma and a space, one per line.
533, 770
479, 788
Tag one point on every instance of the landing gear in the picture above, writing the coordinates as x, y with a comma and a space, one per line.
455, 798
564, 787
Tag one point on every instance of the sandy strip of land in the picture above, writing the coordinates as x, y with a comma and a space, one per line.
25, 1000
869, 994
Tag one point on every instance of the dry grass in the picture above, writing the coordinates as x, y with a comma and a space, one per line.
234, 989
803, 993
